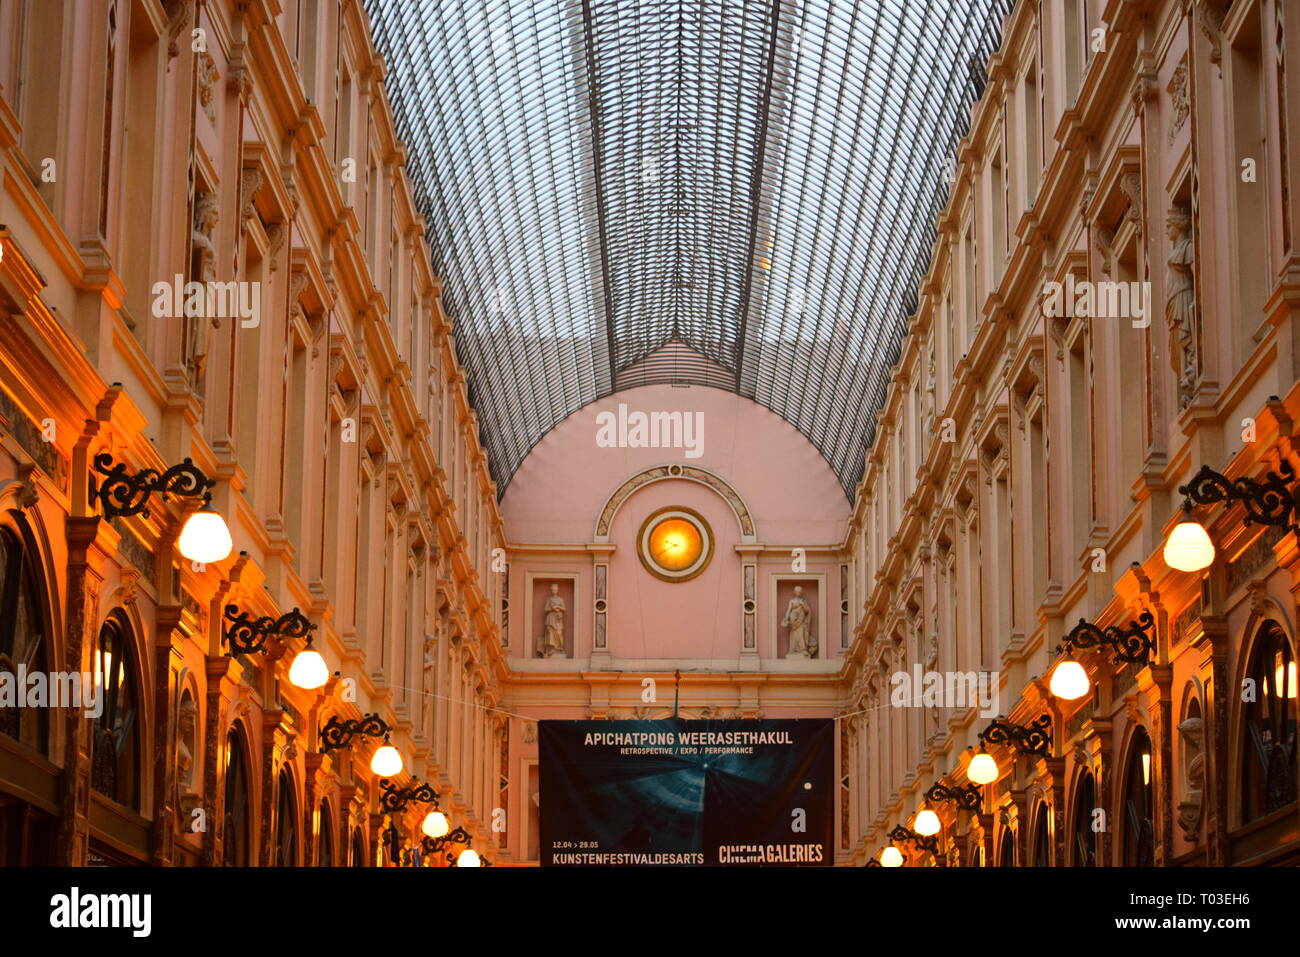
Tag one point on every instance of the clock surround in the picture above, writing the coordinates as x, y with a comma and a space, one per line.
675, 543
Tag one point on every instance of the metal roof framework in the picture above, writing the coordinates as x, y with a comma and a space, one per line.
734, 194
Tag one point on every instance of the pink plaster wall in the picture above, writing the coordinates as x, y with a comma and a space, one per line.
564, 482
792, 494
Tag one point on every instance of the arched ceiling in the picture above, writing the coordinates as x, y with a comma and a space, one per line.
752, 185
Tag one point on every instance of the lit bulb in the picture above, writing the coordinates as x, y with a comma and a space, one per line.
1189, 548
1069, 681
468, 858
435, 824
308, 669
205, 538
1285, 677
891, 857
1146, 767
387, 761
927, 823
982, 769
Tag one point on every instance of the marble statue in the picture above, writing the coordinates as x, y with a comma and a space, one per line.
1180, 301
553, 633
798, 618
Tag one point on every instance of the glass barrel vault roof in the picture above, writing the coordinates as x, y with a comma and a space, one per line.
752, 184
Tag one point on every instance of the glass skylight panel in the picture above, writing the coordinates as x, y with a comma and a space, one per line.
603, 178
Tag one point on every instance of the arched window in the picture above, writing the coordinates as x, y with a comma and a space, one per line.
22, 638
325, 846
358, 848
1042, 837
286, 823
115, 771
1268, 761
1007, 848
1137, 808
1083, 836
235, 837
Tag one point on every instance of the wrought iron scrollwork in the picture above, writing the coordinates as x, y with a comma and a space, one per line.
1270, 501
901, 833
436, 845
393, 799
966, 796
339, 733
124, 493
1131, 644
1035, 738
248, 635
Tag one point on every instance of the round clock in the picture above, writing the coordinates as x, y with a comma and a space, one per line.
675, 544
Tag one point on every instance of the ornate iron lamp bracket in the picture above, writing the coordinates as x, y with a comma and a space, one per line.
123, 493
393, 800
1270, 501
1132, 644
1035, 738
966, 796
338, 734
248, 635
901, 833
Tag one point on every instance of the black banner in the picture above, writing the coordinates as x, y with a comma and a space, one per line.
681, 793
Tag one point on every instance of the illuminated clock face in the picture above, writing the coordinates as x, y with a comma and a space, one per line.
675, 544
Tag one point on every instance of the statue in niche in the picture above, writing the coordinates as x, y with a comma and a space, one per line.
1192, 731
186, 745
798, 618
203, 255
552, 644
1180, 302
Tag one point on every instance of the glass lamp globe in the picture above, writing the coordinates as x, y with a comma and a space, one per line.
205, 538
927, 823
468, 858
387, 761
1189, 548
435, 824
891, 857
1069, 681
982, 769
309, 669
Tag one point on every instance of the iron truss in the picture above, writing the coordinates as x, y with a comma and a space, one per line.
725, 193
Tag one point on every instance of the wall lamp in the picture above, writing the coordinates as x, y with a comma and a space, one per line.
1131, 644
890, 856
204, 537
248, 635
1268, 502
1035, 738
468, 857
923, 841
338, 734
966, 796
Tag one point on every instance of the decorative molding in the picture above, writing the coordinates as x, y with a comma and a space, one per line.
660, 473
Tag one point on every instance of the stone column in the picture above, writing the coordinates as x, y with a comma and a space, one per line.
218, 666
167, 618
270, 726
1154, 683
84, 584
